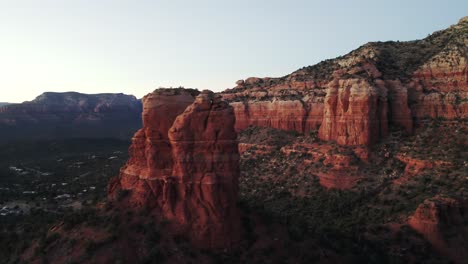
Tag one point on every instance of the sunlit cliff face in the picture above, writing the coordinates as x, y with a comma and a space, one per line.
184, 165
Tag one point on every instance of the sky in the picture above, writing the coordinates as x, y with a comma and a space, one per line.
134, 47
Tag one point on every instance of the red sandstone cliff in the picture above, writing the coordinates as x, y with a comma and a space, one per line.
184, 166
354, 99
273, 103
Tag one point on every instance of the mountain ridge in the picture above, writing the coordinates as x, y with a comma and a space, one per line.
354, 99
71, 114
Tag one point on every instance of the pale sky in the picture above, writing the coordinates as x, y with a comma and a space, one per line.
133, 47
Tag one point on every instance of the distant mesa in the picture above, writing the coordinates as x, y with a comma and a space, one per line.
71, 115
355, 99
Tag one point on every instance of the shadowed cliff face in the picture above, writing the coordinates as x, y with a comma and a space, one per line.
356, 98
184, 166
442, 221
69, 115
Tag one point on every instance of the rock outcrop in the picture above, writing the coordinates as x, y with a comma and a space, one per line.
442, 221
296, 106
71, 115
184, 166
356, 98
355, 112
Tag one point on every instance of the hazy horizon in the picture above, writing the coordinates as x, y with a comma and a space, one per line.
134, 47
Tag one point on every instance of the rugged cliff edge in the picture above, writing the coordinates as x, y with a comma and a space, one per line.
69, 115
354, 99
184, 166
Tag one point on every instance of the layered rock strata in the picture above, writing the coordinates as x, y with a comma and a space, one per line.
184, 165
355, 99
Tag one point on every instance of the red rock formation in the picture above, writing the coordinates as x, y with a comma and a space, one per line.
284, 115
439, 87
355, 113
442, 221
354, 99
296, 106
150, 153
184, 165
